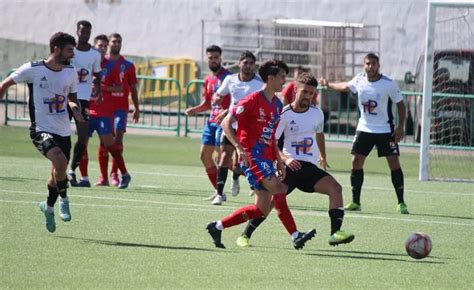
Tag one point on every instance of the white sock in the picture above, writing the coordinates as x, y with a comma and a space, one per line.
66, 199
71, 171
49, 208
219, 225
85, 178
294, 235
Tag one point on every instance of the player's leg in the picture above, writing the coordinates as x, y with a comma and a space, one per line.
361, 147
81, 143
83, 169
388, 148
209, 141
224, 163
116, 150
104, 128
236, 172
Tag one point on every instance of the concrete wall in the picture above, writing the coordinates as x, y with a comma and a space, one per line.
172, 28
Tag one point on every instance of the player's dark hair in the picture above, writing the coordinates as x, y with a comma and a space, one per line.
271, 68
84, 23
300, 68
61, 39
372, 56
307, 79
247, 54
214, 48
102, 37
115, 35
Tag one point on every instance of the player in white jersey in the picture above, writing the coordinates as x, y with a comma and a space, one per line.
52, 86
301, 137
238, 86
87, 64
376, 96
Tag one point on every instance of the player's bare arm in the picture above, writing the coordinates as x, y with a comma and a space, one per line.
230, 134
280, 163
136, 111
341, 86
75, 106
8, 82
98, 88
321, 141
202, 107
401, 121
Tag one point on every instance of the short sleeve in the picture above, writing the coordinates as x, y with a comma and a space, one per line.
132, 75
243, 108
280, 127
224, 88
97, 60
320, 122
74, 81
395, 95
23, 74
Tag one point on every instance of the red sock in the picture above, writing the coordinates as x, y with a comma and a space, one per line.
284, 213
84, 163
241, 215
212, 174
116, 152
103, 157
115, 166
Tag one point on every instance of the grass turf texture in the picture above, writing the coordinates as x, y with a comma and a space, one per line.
152, 234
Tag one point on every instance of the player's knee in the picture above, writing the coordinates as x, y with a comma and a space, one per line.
59, 161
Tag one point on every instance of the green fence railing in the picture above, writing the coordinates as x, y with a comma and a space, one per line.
194, 124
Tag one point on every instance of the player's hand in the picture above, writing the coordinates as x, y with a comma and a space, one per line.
189, 112
216, 99
221, 117
324, 163
281, 170
398, 134
76, 112
293, 164
98, 98
136, 116
243, 158
323, 82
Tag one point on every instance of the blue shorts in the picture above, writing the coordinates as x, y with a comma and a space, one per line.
211, 134
120, 120
258, 169
103, 126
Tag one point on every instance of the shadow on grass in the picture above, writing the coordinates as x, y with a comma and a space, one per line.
18, 179
442, 216
137, 245
363, 255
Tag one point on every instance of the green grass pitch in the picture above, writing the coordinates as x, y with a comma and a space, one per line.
152, 234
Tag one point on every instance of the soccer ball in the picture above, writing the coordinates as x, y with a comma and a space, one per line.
418, 245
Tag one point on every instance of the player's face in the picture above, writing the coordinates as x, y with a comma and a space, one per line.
279, 81
247, 66
101, 46
304, 94
64, 55
83, 34
214, 60
371, 67
115, 45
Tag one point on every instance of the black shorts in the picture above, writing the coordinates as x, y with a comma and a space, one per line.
364, 142
84, 110
305, 178
44, 142
225, 141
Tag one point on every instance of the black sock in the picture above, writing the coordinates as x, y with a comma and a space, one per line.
77, 155
236, 174
337, 216
52, 196
252, 225
397, 181
357, 178
62, 188
221, 178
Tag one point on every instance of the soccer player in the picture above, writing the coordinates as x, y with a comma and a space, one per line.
376, 94
211, 135
238, 86
300, 122
52, 84
117, 65
257, 117
289, 92
86, 61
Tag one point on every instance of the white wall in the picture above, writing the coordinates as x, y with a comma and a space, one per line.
172, 28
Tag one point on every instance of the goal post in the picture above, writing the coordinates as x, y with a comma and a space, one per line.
448, 98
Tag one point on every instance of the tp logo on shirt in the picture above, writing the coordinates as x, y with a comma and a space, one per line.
369, 107
303, 147
56, 104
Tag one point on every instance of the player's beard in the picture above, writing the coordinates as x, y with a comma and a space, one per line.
214, 67
303, 103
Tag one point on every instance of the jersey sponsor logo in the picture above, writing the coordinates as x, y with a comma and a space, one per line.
82, 75
303, 147
369, 107
56, 104
261, 115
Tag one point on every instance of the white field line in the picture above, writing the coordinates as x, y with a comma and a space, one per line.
210, 208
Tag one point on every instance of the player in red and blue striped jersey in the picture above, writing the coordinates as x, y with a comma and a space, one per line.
211, 134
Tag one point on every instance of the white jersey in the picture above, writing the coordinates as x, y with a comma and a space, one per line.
375, 102
86, 64
299, 133
49, 92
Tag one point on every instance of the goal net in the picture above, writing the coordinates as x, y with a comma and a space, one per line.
447, 132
